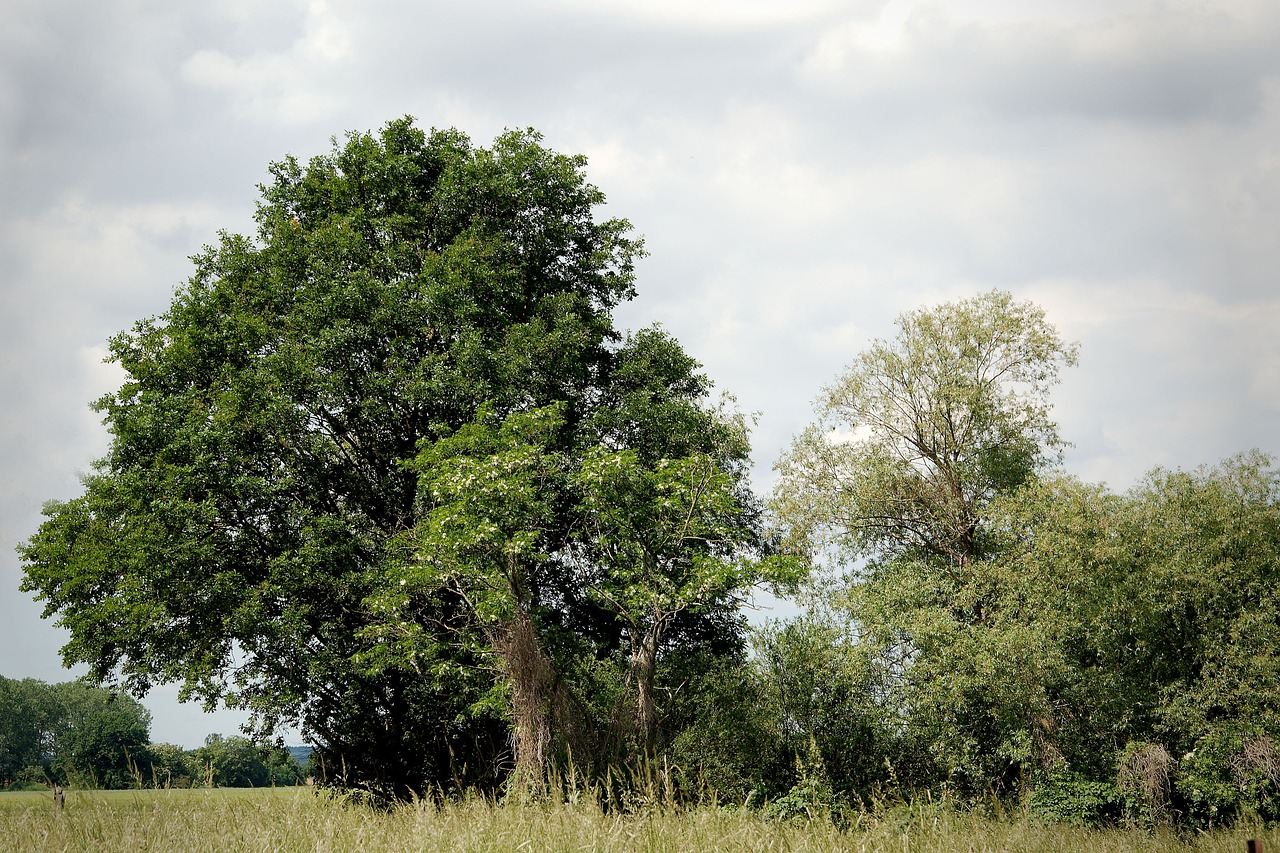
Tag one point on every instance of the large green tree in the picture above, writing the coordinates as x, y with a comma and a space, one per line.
340, 487
260, 443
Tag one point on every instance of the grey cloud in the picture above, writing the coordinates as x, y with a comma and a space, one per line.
1159, 67
1161, 64
575, 62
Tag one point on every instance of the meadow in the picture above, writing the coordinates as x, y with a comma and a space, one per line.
300, 820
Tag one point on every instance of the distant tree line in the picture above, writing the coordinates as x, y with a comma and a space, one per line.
79, 735
388, 473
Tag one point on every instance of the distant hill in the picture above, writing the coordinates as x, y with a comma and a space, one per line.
302, 754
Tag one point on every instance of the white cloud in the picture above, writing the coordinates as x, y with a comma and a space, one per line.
91, 246
294, 85
711, 14
1167, 376
885, 33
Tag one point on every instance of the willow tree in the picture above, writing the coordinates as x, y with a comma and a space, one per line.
920, 433
899, 483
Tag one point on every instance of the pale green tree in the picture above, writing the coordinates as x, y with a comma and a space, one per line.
488, 526
668, 537
919, 434
576, 551
900, 484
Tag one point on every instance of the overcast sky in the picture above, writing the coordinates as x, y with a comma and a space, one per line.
802, 171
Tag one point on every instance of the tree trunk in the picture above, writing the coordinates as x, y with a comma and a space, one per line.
529, 672
644, 664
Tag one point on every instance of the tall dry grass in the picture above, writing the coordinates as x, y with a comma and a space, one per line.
299, 820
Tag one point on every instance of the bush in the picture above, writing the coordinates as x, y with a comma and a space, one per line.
1076, 802
1231, 773
811, 797
1144, 775
728, 743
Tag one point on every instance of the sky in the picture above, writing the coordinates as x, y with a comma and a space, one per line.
802, 171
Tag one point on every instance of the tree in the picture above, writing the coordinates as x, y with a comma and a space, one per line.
671, 538
828, 702
1131, 639
987, 704
668, 539
171, 766
345, 484
22, 728
101, 738
902, 480
566, 542
258, 469
71, 733
920, 434
488, 527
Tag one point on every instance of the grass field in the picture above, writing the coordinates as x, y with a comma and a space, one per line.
298, 820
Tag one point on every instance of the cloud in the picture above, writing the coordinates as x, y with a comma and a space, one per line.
291, 85
711, 15
1167, 376
1155, 62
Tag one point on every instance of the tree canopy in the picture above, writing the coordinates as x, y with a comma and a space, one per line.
408, 365
921, 433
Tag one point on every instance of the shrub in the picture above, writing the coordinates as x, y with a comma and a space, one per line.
1144, 775
1075, 801
1231, 773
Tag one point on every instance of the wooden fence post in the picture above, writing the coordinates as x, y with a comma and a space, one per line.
1254, 845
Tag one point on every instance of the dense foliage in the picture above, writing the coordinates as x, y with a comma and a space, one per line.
1011, 631
356, 474
387, 472
1124, 667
